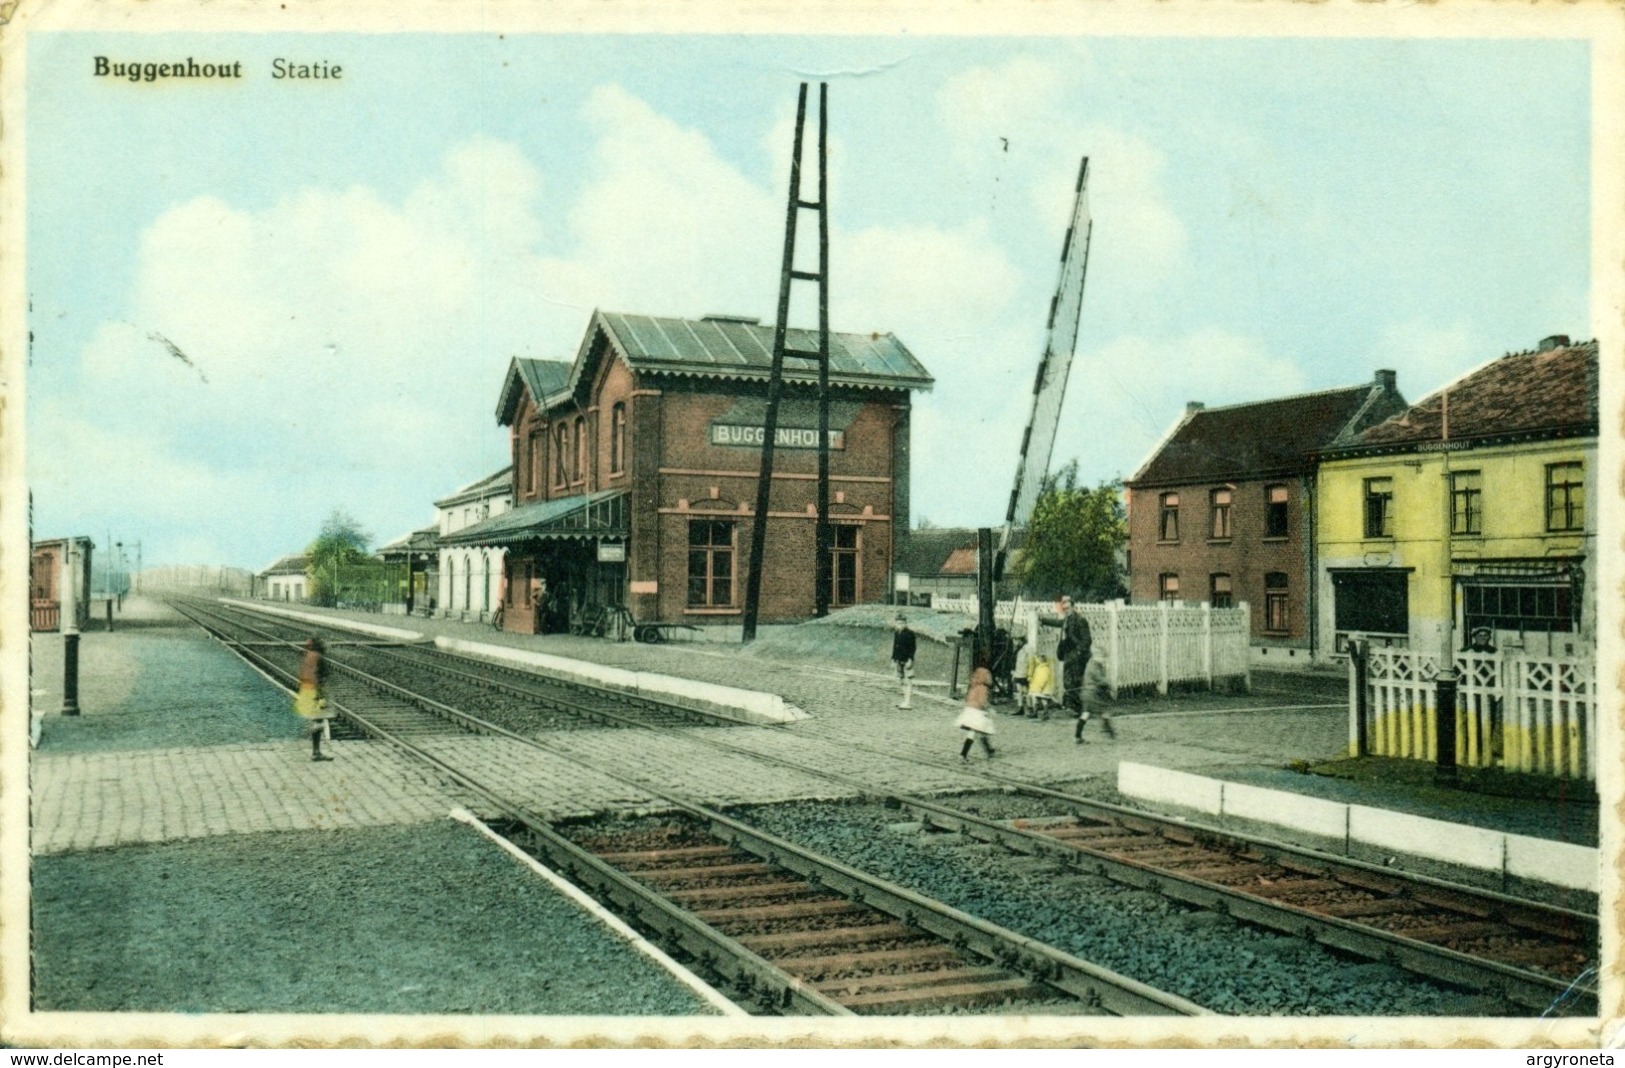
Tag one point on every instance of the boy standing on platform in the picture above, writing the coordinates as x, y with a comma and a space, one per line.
903, 646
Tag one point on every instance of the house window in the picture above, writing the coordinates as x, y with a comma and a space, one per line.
1220, 594
580, 450
536, 463
1168, 586
1379, 507
617, 437
1219, 507
1371, 601
1275, 512
1565, 497
1276, 616
711, 563
1466, 503
844, 546
1168, 528
561, 455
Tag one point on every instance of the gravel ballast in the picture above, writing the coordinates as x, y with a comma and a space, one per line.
416, 920
1223, 965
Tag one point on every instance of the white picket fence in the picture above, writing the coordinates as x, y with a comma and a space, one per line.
1140, 645
1534, 714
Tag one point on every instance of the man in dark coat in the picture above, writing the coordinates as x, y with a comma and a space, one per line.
903, 646
1077, 644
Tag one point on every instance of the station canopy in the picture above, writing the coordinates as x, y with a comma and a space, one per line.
590, 515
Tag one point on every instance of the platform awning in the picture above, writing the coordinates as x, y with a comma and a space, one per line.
591, 515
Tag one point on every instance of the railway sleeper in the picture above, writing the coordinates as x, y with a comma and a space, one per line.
700, 896
868, 962
828, 936
713, 871
817, 909
841, 989
965, 995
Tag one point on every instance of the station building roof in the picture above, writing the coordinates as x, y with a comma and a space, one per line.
419, 541
493, 485
586, 515
715, 347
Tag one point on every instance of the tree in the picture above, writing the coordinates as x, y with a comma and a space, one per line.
1074, 540
341, 543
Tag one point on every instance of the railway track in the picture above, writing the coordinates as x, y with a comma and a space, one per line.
810, 936
1537, 957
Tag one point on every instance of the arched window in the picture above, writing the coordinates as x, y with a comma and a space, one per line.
485, 583
561, 459
581, 449
617, 437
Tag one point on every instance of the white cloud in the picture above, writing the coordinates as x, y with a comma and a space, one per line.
1426, 356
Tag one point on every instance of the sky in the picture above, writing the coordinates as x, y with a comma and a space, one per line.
348, 266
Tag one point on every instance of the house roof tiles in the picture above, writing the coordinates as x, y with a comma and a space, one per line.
1542, 392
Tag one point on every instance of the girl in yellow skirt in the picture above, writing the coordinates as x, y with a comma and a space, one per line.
310, 703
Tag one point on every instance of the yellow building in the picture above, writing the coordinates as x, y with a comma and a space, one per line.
1504, 459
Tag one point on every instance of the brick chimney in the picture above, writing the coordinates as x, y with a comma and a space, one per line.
1556, 341
1192, 407
1388, 381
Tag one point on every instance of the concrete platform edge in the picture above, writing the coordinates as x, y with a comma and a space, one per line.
1536, 859
751, 706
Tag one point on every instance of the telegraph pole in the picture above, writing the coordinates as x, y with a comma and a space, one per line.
70, 628
1444, 768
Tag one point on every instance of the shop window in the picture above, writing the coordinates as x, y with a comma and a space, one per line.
617, 437
711, 563
1168, 586
1219, 509
1275, 512
1220, 593
1276, 605
1168, 524
844, 561
1525, 606
1373, 601
561, 455
1565, 497
1466, 503
1379, 507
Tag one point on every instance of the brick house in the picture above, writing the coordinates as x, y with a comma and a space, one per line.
1223, 510
1506, 455
45, 569
635, 470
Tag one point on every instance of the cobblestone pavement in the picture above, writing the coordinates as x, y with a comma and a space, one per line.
97, 800
89, 800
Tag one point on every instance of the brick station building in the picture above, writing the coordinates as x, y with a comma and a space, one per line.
635, 472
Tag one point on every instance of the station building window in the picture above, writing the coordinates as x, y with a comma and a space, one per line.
711, 563
845, 545
1219, 509
1168, 520
1466, 503
561, 455
1220, 592
578, 469
617, 438
535, 480
1277, 615
1565, 497
1168, 586
1379, 507
1275, 512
